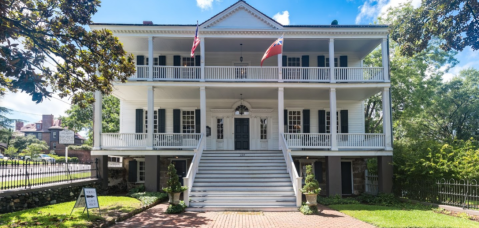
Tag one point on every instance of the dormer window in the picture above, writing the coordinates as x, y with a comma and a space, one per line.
39, 126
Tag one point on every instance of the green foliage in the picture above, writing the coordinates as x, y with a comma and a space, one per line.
173, 182
311, 184
11, 151
62, 158
381, 199
372, 165
137, 189
176, 209
148, 198
56, 31
454, 23
35, 148
336, 200
308, 210
6, 135
81, 147
334, 22
21, 142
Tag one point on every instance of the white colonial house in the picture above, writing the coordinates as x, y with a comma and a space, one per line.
240, 134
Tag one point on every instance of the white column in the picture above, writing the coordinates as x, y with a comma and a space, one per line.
151, 110
280, 112
331, 60
387, 119
332, 118
97, 121
150, 58
203, 110
202, 48
384, 49
280, 68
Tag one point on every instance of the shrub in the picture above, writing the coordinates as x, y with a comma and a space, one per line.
81, 147
173, 182
148, 198
336, 200
308, 210
176, 209
381, 199
311, 184
140, 188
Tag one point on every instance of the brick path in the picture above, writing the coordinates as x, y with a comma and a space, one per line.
155, 217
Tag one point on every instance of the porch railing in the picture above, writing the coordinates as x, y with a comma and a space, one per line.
232, 73
359, 74
306, 74
177, 73
293, 174
176, 140
190, 176
141, 73
123, 140
308, 140
360, 140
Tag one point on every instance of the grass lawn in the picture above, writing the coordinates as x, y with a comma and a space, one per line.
45, 180
58, 215
397, 217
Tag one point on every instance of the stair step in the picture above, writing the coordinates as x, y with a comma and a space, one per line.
243, 155
243, 189
269, 158
236, 175
230, 168
241, 171
240, 180
242, 184
236, 193
242, 200
249, 164
263, 161
248, 203
243, 208
242, 151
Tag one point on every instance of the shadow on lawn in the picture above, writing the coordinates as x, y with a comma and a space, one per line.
372, 207
42, 219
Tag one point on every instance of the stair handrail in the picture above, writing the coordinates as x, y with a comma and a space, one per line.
293, 174
190, 177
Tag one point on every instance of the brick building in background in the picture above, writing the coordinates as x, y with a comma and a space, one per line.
47, 129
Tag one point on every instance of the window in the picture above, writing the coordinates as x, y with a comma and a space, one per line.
113, 159
335, 62
141, 171
294, 62
54, 134
241, 110
155, 121
155, 61
39, 136
263, 128
294, 121
188, 123
54, 146
328, 122
39, 126
188, 61
219, 129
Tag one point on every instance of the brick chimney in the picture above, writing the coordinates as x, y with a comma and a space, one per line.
18, 125
47, 122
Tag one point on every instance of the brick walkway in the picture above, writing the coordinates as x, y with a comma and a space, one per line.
155, 217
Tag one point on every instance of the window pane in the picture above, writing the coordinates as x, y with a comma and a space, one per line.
294, 122
219, 129
188, 122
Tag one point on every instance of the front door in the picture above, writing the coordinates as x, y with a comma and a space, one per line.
346, 178
180, 166
241, 134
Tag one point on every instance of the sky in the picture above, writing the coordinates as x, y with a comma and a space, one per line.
292, 12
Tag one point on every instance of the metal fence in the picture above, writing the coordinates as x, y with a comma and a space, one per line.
371, 183
461, 193
28, 174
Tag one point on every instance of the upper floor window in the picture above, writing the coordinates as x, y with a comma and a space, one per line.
155, 61
188, 121
54, 134
39, 136
155, 121
39, 126
328, 122
264, 128
188, 61
294, 122
219, 128
335, 62
294, 62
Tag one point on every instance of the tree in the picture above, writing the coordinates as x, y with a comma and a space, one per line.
35, 32
35, 149
6, 135
22, 142
11, 151
454, 23
82, 118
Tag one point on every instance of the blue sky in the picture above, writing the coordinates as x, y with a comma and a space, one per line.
293, 12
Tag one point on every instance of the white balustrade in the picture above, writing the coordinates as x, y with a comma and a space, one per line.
308, 140
190, 176
306, 74
123, 140
141, 73
293, 174
248, 73
177, 73
360, 140
176, 140
359, 74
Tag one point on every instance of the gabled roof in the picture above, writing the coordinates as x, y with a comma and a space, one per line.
241, 5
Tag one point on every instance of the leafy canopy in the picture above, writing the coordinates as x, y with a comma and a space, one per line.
35, 148
22, 142
36, 33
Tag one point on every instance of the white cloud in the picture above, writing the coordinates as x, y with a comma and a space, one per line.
371, 9
467, 59
205, 4
282, 18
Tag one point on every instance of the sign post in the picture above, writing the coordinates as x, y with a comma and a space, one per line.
66, 137
87, 199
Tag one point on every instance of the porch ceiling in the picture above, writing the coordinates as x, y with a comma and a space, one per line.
138, 93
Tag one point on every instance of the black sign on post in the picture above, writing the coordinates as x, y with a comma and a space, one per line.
87, 199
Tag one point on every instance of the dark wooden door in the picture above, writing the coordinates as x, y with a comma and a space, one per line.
180, 166
241, 134
346, 178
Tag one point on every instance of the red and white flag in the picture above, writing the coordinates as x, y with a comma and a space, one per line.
275, 49
196, 42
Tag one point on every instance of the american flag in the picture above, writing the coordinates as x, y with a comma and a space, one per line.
196, 42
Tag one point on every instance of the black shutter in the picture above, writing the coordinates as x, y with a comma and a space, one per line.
318, 171
177, 62
343, 62
322, 121
198, 63
321, 61
140, 60
285, 60
344, 121
285, 120
139, 121
305, 63
197, 121
132, 170
306, 125
176, 121
161, 60
296, 164
161, 121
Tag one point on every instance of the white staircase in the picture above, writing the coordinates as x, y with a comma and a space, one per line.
242, 180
